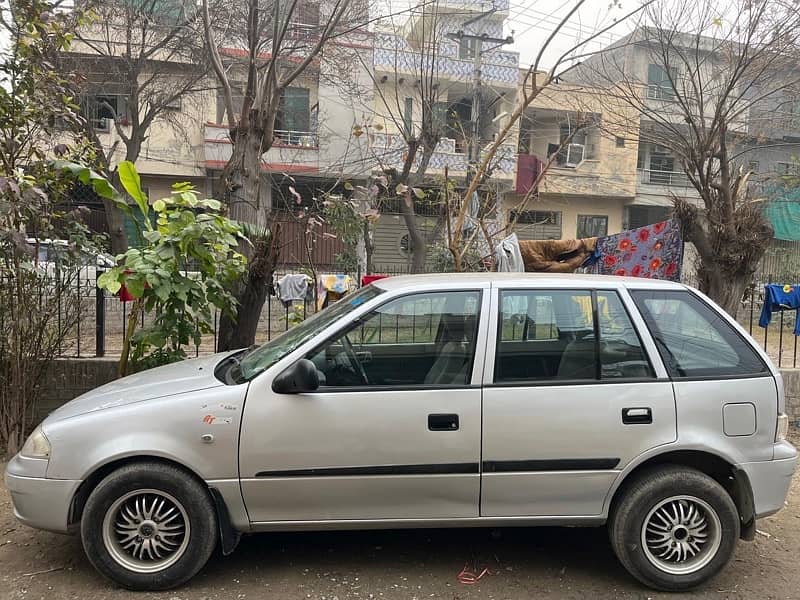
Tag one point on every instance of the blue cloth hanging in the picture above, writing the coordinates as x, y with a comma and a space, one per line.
778, 297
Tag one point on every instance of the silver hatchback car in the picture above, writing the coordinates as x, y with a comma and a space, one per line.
433, 401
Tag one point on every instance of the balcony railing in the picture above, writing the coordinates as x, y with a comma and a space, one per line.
301, 139
667, 178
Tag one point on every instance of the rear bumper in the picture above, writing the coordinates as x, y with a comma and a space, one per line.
770, 481
42, 503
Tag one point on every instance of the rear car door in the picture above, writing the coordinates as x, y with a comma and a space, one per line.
571, 396
394, 430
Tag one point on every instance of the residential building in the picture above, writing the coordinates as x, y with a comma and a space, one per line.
764, 139
425, 69
591, 179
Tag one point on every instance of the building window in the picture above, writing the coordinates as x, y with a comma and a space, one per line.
660, 82
538, 224
293, 121
592, 226
787, 168
103, 110
620, 142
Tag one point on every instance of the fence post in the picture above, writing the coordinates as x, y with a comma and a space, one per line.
100, 318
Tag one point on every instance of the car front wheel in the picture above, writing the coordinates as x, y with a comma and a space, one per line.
149, 526
674, 528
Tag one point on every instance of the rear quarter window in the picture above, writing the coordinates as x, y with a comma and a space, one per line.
693, 339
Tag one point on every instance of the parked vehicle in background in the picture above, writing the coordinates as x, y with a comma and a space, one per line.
52, 255
433, 401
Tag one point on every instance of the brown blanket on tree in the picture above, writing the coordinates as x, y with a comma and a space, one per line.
555, 256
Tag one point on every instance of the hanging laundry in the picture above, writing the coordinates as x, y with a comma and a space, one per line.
528, 169
779, 297
292, 287
556, 256
652, 252
331, 287
509, 258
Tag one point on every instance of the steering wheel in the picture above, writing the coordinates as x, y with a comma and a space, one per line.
351, 354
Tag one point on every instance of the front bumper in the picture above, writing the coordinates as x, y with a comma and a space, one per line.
39, 502
770, 480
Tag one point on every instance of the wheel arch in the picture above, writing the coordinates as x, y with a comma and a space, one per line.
733, 479
229, 536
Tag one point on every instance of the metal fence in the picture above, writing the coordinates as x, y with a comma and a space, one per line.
100, 331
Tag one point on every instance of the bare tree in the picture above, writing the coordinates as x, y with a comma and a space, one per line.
134, 65
716, 68
418, 73
534, 81
257, 54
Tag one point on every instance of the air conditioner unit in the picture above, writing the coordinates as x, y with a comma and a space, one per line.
575, 154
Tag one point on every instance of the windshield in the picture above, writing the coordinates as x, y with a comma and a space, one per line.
267, 355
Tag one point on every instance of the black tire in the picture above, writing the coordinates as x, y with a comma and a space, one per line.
162, 481
645, 494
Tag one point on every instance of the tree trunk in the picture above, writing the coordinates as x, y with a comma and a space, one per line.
369, 247
241, 331
115, 221
242, 179
417, 240
726, 290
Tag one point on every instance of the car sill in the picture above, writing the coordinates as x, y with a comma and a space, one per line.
344, 525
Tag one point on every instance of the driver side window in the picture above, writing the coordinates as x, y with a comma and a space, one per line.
419, 339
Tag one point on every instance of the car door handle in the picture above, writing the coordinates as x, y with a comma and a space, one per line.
637, 416
442, 422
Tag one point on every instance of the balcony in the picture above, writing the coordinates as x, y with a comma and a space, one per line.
393, 54
664, 178
291, 152
479, 6
388, 150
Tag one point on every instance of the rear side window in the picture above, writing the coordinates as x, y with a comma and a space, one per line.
546, 335
693, 340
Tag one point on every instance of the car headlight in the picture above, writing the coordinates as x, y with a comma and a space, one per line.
36, 446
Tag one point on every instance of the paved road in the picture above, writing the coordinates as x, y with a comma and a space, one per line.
524, 563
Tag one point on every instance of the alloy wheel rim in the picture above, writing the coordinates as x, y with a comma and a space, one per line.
681, 535
146, 531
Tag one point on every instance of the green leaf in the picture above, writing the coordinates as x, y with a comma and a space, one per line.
211, 203
401, 189
152, 236
109, 281
135, 287
133, 185
159, 206
419, 193
85, 175
348, 186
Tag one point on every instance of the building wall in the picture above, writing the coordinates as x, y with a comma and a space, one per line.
570, 208
388, 234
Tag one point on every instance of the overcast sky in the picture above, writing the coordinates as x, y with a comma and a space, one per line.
534, 20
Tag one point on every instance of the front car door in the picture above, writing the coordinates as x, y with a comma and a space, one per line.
394, 430
574, 391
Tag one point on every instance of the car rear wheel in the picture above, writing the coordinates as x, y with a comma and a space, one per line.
149, 526
674, 528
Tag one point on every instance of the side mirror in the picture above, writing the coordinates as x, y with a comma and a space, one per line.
301, 377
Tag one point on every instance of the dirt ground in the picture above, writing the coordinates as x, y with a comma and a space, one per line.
409, 565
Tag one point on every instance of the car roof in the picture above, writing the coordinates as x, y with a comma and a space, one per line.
431, 280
